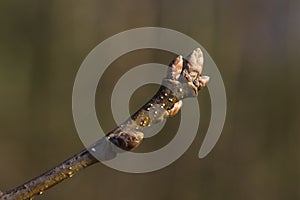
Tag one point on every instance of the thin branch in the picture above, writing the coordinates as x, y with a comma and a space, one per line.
183, 80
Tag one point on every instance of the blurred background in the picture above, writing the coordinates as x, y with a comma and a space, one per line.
254, 43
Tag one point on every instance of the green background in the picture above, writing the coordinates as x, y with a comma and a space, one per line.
254, 43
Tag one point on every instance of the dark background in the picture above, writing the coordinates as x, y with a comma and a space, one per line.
255, 45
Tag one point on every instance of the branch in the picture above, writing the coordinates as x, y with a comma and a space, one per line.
183, 80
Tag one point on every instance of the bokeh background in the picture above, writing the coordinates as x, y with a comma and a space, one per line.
255, 44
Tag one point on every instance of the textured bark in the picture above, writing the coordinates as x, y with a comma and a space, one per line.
183, 80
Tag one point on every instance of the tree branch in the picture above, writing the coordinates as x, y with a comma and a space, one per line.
183, 80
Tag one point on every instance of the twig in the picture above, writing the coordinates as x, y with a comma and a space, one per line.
183, 80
